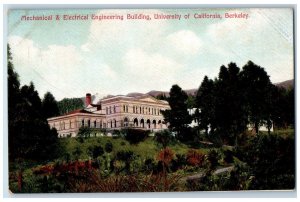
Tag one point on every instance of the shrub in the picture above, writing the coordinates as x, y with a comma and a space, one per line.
272, 161
213, 158
108, 147
166, 155
195, 157
134, 136
164, 138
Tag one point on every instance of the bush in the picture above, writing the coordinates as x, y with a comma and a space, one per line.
135, 136
108, 147
195, 157
164, 138
272, 161
213, 158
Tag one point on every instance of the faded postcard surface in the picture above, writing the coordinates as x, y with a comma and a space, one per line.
151, 100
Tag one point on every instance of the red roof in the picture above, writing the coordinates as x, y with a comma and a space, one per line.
78, 111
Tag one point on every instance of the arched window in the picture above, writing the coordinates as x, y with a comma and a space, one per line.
148, 123
142, 123
126, 122
154, 123
136, 122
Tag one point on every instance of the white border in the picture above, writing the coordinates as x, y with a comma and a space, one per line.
137, 4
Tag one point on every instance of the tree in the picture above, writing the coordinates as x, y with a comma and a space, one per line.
256, 86
69, 104
205, 103
49, 106
178, 116
230, 112
29, 134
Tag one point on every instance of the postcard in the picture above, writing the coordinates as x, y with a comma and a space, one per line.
151, 100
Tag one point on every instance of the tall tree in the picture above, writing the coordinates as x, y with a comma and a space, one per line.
256, 85
205, 103
28, 132
178, 116
13, 99
49, 106
231, 116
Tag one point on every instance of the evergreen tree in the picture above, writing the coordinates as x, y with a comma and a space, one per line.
231, 114
178, 116
256, 87
205, 103
29, 134
49, 106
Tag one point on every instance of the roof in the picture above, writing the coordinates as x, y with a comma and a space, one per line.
78, 111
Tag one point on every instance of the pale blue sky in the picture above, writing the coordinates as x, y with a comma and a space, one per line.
71, 58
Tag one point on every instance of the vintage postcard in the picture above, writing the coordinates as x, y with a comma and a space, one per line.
150, 100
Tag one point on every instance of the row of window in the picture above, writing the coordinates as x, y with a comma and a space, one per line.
135, 110
110, 124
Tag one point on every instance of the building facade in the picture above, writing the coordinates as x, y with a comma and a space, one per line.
113, 113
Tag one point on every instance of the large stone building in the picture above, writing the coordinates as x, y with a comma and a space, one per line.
113, 113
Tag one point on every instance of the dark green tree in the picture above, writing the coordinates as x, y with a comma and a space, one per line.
231, 109
49, 106
205, 103
67, 105
29, 134
256, 87
178, 116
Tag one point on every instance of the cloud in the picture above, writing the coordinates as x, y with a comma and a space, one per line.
61, 70
109, 34
185, 42
150, 70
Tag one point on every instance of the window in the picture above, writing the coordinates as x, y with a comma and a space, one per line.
133, 109
82, 122
123, 108
154, 111
115, 123
114, 109
109, 109
126, 108
140, 110
89, 123
106, 110
95, 124
143, 110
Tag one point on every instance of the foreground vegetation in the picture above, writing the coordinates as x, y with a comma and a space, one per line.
112, 164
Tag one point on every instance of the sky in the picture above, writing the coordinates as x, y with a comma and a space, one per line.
72, 58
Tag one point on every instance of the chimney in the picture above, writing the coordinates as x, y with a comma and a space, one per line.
88, 99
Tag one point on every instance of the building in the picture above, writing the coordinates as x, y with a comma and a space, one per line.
113, 113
